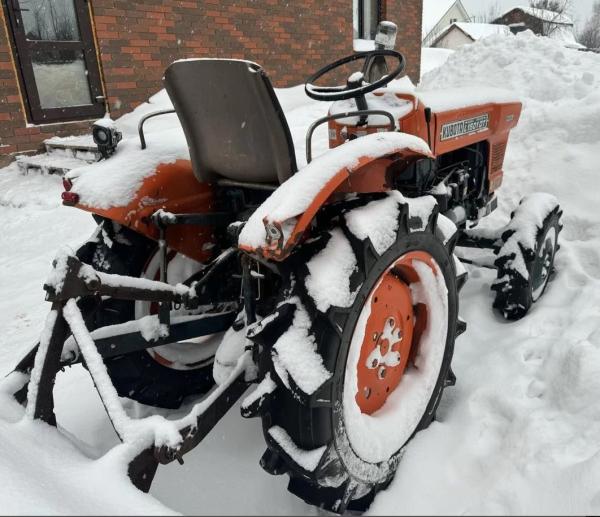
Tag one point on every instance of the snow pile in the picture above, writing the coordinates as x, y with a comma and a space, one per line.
530, 66
432, 58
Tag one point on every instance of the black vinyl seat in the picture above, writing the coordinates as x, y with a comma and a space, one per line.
232, 120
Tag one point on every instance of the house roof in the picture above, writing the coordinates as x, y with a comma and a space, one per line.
475, 31
482, 30
543, 14
433, 12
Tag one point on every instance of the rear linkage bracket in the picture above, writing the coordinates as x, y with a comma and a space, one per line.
73, 280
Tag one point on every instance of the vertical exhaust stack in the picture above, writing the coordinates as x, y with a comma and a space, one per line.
385, 39
386, 36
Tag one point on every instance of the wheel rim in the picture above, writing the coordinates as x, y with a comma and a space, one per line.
393, 331
189, 355
544, 261
378, 426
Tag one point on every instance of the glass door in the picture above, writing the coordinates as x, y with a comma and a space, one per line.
57, 59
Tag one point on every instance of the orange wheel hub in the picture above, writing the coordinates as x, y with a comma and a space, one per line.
392, 332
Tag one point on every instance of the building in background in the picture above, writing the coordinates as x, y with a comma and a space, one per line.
464, 33
542, 22
64, 63
438, 15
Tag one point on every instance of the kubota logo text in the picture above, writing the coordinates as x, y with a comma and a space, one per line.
465, 127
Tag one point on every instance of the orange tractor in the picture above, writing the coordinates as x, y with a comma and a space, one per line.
333, 289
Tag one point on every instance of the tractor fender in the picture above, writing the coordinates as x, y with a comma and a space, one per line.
174, 188
280, 223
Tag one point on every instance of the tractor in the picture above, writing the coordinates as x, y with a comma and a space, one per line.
331, 290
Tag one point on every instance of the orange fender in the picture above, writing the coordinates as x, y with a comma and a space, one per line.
369, 175
175, 189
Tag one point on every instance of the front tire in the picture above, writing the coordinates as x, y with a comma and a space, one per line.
314, 426
525, 262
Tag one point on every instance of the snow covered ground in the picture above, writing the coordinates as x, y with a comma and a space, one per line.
520, 432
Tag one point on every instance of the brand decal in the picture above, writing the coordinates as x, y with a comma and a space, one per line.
465, 127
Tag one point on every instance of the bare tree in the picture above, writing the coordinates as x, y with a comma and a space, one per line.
492, 14
590, 36
554, 22
557, 6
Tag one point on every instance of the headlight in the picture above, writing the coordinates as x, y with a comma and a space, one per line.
106, 137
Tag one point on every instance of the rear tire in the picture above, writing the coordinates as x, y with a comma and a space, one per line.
304, 415
137, 376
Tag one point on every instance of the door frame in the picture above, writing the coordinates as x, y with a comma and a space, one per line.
87, 45
361, 15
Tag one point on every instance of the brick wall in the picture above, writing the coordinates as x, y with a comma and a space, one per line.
138, 39
407, 14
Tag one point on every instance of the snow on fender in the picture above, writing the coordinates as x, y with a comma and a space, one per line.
279, 222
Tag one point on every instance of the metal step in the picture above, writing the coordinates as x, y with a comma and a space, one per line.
80, 147
49, 163
62, 155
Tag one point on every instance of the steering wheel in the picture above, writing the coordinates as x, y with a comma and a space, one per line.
355, 87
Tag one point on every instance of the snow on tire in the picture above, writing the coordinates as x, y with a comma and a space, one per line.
525, 261
358, 351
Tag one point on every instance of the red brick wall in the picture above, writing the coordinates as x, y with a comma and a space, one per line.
138, 39
289, 39
407, 14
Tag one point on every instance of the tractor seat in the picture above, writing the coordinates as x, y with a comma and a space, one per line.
232, 120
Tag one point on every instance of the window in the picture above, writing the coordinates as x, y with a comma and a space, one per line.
453, 20
367, 14
57, 59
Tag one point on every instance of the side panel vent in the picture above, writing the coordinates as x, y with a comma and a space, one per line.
498, 152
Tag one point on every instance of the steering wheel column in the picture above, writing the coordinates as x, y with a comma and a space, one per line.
355, 88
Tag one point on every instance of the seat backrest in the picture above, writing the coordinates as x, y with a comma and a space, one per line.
232, 120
